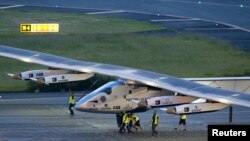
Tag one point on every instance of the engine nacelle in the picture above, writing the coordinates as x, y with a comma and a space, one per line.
196, 108
36, 74
64, 78
165, 101
51, 76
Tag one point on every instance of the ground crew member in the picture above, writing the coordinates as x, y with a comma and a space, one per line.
71, 102
182, 121
119, 119
124, 116
155, 122
136, 122
131, 121
125, 122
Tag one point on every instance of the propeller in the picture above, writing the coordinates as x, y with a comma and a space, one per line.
15, 76
40, 81
141, 103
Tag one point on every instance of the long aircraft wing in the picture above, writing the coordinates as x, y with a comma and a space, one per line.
238, 84
146, 77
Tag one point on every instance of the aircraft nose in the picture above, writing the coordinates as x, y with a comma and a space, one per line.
82, 106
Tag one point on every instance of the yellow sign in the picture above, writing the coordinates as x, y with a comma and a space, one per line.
47, 27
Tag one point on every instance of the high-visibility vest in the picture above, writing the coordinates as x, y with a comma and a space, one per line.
124, 118
183, 117
135, 118
71, 100
155, 119
127, 120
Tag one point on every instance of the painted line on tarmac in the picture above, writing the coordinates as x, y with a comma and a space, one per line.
204, 3
194, 29
106, 12
235, 26
158, 14
175, 20
185, 17
12, 6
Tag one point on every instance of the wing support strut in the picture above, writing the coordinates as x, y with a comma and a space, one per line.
230, 114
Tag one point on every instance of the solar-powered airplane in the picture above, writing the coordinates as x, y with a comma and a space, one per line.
134, 90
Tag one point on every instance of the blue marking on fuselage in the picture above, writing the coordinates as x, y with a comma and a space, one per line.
99, 91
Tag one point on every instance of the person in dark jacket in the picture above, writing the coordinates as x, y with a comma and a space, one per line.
155, 122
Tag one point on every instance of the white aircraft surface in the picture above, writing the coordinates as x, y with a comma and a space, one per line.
134, 90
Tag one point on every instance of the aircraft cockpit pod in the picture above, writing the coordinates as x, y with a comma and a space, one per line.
98, 99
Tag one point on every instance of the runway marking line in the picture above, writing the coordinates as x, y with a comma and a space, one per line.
175, 20
106, 12
191, 29
12, 6
204, 3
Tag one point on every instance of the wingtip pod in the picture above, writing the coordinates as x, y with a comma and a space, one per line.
196, 108
15, 76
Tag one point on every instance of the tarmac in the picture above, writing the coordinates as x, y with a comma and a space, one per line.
45, 116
